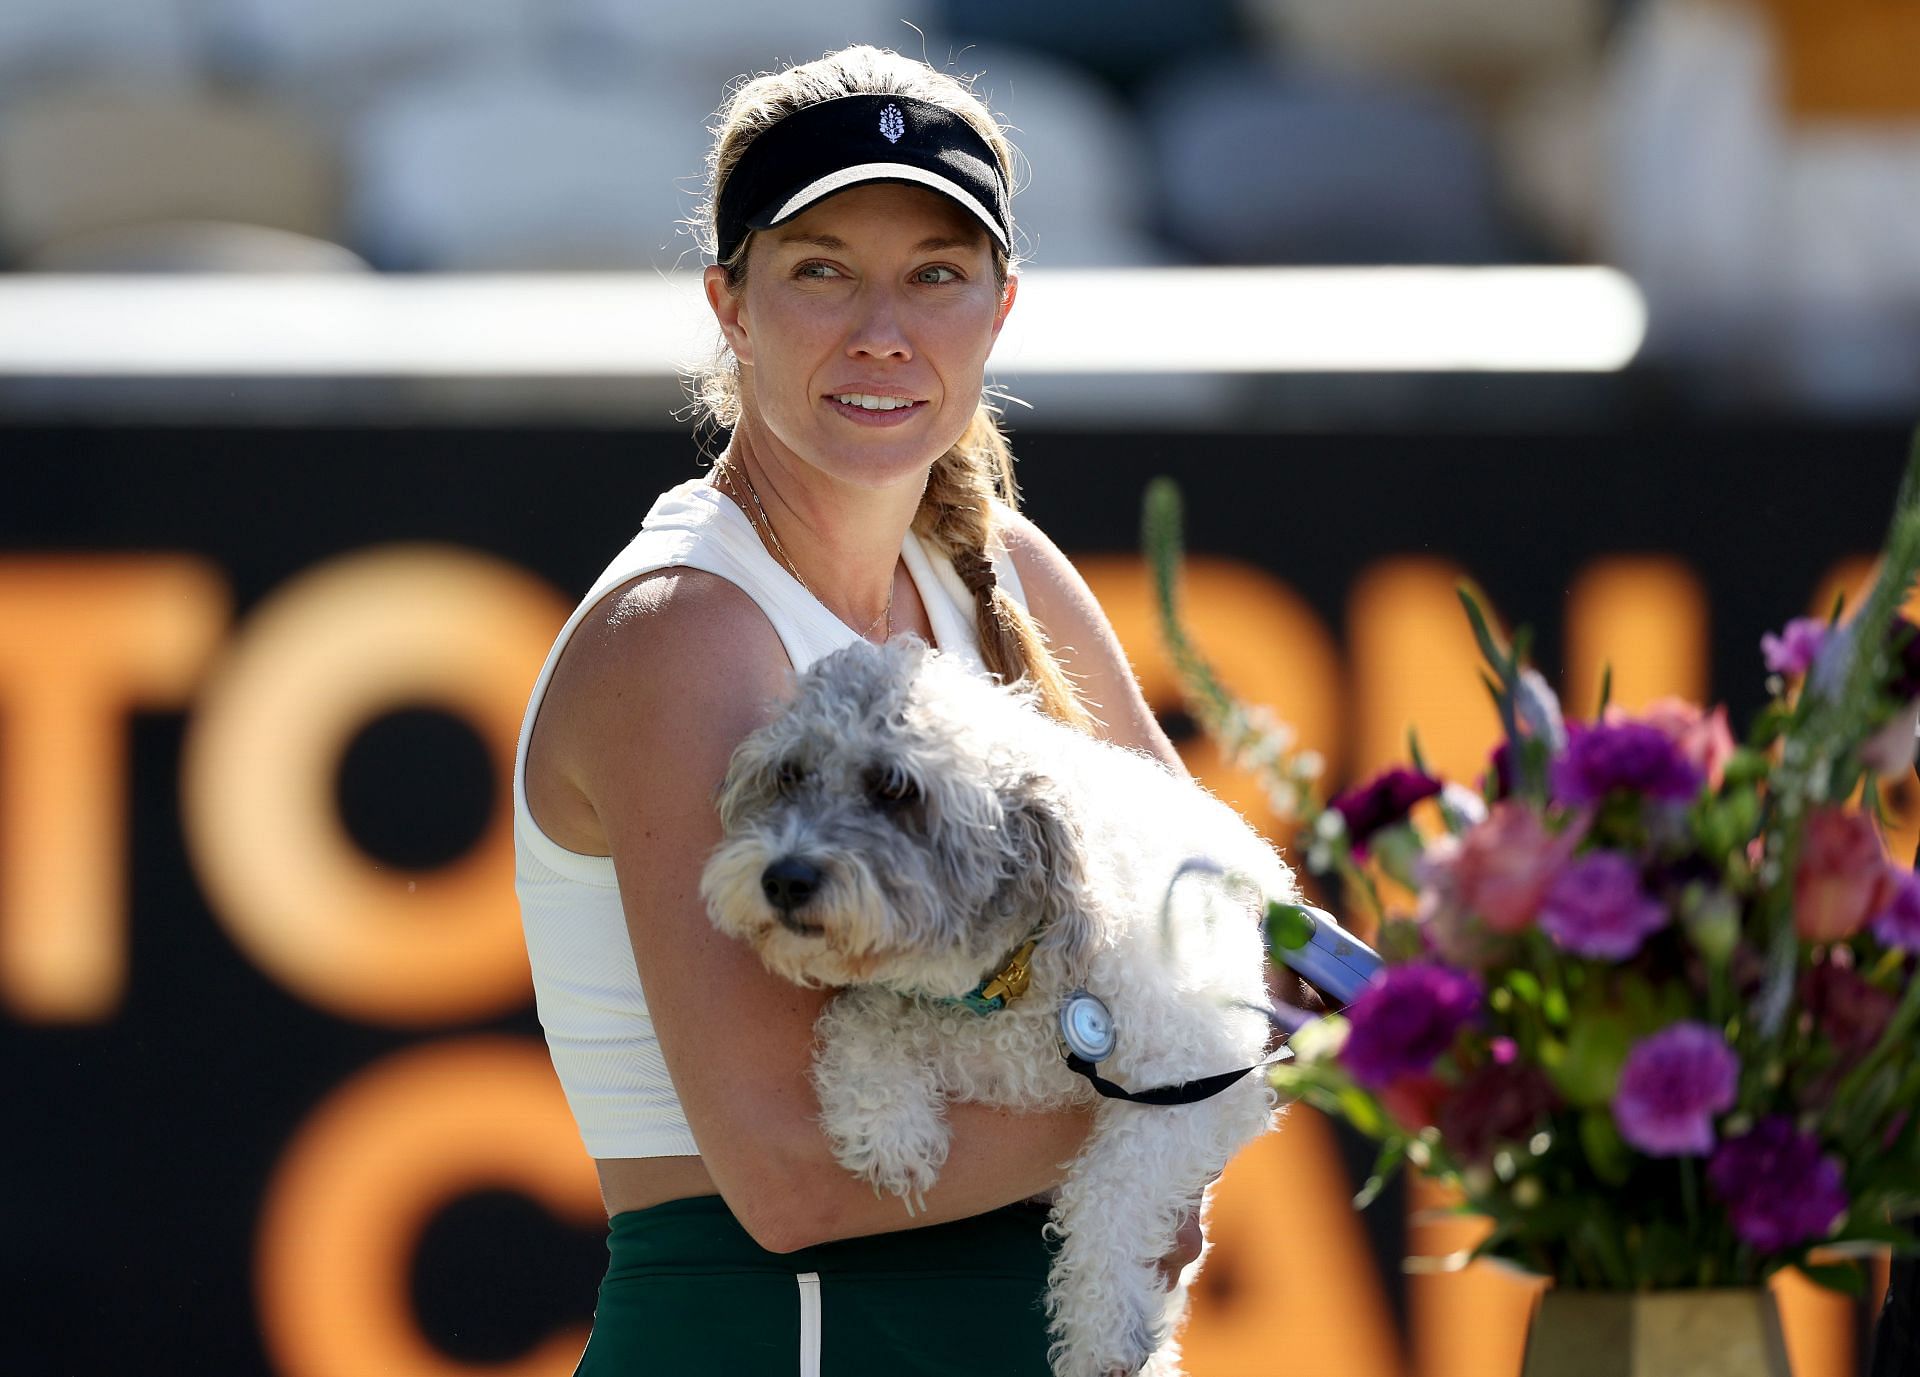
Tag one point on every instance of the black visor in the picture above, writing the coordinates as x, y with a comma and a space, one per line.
852, 140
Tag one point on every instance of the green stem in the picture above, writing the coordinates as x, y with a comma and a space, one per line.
1690, 1202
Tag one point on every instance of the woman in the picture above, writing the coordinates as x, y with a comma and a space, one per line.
861, 233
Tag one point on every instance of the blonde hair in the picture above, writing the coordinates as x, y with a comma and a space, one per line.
957, 512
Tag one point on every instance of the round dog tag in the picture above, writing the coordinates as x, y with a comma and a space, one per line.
1086, 1026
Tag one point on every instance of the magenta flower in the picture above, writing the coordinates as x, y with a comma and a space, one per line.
1596, 908
1499, 1103
1405, 1019
1899, 924
1845, 1007
1794, 650
1779, 1189
1382, 801
1626, 755
1671, 1087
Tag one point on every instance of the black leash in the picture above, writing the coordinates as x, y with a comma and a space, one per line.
1187, 1092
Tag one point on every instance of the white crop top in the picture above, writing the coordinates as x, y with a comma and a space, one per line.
586, 988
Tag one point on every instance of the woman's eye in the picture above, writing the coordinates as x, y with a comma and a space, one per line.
820, 272
931, 276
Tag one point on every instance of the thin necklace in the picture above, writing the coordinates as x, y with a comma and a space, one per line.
765, 524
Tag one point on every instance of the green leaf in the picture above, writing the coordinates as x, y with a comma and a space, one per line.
1597, 1046
1606, 688
1360, 1110
1607, 1152
1413, 752
1844, 1277
1526, 985
1746, 766
1495, 689
1385, 1167
1494, 653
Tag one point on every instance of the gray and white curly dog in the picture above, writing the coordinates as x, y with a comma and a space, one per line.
904, 826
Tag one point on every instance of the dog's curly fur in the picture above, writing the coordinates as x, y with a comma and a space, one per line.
942, 821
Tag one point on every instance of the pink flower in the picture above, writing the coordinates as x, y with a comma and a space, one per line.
1793, 651
1503, 867
1843, 879
1704, 739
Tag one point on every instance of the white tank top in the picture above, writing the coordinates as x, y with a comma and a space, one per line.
586, 988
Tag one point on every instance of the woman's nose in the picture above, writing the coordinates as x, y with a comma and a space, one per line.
878, 331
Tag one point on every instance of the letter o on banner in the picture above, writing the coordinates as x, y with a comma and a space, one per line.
353, 638
365, 1174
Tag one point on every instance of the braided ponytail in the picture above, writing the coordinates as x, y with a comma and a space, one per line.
956, 515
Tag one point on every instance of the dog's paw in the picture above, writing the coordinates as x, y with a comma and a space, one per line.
900, 1156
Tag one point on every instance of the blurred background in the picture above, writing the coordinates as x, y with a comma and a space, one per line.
339, 349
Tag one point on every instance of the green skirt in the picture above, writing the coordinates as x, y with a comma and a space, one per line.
689, 1294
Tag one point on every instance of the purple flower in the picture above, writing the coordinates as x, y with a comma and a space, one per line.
1794, 650
1779, 1189
1899, 924
1671, 1086
1624, 755
1380, 802
1406, 1018
1596, 908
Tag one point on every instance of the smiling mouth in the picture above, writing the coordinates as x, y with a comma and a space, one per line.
867, 401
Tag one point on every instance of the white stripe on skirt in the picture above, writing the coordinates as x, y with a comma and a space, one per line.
809, 1323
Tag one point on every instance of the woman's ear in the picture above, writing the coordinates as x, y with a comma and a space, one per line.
1006, 302
728, 307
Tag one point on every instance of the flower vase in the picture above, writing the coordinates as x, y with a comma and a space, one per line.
1731, 1333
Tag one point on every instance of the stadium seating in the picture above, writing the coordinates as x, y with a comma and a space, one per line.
333, 54
1485, 48
192, 247
42, 41
87, 159
1081, 200
705, 47
489, 169
1347, 170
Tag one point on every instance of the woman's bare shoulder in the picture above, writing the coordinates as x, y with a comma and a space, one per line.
658, 683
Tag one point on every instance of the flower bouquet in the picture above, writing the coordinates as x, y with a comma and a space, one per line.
1650, 996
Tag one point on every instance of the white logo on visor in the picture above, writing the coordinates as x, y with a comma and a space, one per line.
892, 123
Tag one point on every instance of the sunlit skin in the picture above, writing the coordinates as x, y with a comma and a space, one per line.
886, 290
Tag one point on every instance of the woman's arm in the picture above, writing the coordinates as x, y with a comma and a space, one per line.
656, 689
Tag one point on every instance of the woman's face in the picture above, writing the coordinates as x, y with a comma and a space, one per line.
880, 292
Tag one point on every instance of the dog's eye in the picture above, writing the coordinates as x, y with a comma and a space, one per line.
892, 788
789, 777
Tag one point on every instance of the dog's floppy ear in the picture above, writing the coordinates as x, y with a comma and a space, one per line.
1049, 879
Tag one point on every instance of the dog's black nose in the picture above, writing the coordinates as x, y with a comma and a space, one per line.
789, 882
